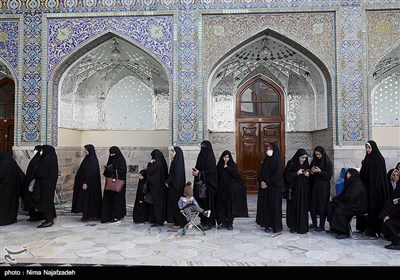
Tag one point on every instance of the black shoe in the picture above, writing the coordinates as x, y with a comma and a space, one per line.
156, 225
331, 231
221, 226
205, 227
292, 231
267, 230
46, 224
342, 236
229, 227
312, 226
392, 247
371, 234
318, 229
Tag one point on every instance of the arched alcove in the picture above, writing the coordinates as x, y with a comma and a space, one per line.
384, 84
114, 87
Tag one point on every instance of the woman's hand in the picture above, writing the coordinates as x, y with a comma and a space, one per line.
84, 186
263, 185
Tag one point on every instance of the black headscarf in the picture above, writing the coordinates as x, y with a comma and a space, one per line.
177, 177
294, 165
325, 162
271, 169
158, 156
206, 163
117, 162
373, 171
87, 201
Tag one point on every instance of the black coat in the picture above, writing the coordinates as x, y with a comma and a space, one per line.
231, 200
87, 202
269, 200
113, 205
176, 181
11, 179
298, 205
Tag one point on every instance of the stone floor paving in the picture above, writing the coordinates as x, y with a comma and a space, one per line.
71, 241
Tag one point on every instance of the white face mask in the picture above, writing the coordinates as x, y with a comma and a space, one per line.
270, 153
35, 152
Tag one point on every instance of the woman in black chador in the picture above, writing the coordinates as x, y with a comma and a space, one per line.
269, 200
113, 207
206, 169
141, 208
374, 176
231, 200
351, 202
28, 196
320, 184
86, 197
176, 181
46, 176
157, 172
296, 183
11, 180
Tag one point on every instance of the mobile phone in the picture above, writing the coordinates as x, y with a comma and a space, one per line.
194, 169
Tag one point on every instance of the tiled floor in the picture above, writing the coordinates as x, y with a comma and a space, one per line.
70, 241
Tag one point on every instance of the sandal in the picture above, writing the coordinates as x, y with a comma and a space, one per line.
175, 226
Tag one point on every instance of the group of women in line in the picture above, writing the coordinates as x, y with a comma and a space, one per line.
371, 195
225, 190
36, 187
306, 186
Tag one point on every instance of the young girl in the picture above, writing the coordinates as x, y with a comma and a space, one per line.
189, 205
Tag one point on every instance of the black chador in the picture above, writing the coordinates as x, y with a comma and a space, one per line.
11, 180
231, 200
28, 195
176, 181
87, 187
352, 201
141, 208
157, 172
269, 200
321, 174
113, 206
207, 167
46, 176
296, 182
374, 176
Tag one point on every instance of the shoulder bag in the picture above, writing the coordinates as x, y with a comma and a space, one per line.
114, 184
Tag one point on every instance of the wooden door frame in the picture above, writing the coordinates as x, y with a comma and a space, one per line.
9, 122
260, 119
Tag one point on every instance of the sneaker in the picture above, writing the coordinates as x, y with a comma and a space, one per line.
207, 213
115, 221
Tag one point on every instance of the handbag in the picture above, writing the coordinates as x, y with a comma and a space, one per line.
146, 192
114, 184
148, 198
201, 187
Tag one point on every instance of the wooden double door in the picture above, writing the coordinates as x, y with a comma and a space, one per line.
259, 121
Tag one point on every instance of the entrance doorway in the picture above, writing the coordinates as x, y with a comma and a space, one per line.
259, 121
7, 98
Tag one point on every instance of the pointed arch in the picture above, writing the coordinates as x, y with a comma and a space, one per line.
295, 48
55, 76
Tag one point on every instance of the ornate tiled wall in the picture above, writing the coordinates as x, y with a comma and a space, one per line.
183, 59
